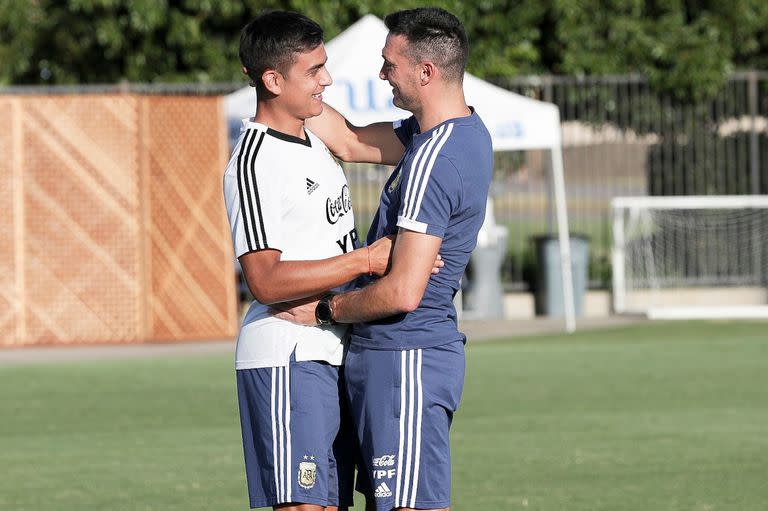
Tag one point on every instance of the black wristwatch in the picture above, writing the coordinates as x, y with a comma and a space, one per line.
324, 310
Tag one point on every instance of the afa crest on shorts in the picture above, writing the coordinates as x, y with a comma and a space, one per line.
307, 474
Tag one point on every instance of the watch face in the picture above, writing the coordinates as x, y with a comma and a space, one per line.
323, 312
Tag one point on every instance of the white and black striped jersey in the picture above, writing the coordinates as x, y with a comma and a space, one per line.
288, 194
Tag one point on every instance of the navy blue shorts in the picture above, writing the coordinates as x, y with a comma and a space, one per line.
297, 438
402, 404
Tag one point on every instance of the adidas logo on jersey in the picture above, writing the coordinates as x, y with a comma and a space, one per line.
382, 490
311, 186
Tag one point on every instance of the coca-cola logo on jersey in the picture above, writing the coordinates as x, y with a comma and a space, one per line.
338, 207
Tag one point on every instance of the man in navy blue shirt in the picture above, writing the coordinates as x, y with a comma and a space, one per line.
405, 365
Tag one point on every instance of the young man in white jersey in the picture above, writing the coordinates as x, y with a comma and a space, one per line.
293, 231
405, 367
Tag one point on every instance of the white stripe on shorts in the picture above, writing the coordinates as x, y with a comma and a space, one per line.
402, 427
289, 484
281, 432
280, 438
273, 410
419, 397
411, 404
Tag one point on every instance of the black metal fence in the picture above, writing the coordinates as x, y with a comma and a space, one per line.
620, 138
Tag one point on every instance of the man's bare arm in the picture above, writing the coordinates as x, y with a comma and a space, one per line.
272, 280
375, 143
401, 290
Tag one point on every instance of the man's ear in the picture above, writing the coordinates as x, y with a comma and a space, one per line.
273, 81
428, 72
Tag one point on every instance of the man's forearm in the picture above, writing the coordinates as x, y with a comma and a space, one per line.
379, 300
401, 290
292, 280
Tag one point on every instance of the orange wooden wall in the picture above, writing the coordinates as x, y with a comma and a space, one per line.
113, 226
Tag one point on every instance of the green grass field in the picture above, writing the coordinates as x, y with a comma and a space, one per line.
658, 416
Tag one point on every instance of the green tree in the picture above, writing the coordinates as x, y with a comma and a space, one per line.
685, 47
104, 41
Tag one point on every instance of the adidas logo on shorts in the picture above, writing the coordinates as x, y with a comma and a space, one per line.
311, 186
382, 490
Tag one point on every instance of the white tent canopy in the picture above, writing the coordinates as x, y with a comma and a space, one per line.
354, 60
515, 122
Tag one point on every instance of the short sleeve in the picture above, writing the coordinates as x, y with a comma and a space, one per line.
431, 193
405, 129
253, 200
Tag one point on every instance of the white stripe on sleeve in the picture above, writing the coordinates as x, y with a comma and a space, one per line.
428, 171
417, 167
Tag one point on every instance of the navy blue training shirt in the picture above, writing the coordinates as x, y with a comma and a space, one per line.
440, 188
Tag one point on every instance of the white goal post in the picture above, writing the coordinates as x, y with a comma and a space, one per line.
688, 257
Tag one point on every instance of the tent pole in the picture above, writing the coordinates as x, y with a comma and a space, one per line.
564, 238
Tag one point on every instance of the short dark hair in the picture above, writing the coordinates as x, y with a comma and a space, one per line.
434, 34
272, 40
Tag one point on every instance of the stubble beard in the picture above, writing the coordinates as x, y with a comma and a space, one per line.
402, 102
